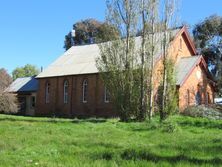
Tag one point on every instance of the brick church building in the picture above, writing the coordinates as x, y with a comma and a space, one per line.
71, 85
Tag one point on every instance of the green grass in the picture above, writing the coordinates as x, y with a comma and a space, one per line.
180, 141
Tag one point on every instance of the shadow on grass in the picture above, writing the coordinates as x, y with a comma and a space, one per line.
213, 148
145, 155
53, 120
134, 155
205, 124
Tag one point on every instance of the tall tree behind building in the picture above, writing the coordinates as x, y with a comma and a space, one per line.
208, 39
27, 71
90, 31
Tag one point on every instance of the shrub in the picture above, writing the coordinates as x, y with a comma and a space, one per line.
169, 127
202, 111
8, 103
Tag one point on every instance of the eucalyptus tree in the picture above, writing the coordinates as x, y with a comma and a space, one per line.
26, 71
90, 31
208, 39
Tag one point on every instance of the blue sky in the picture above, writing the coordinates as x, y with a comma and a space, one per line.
32, 31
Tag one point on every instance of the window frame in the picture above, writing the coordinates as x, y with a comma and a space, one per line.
84, 90
66, 92
207, 98
33, 101
47, 93
198, 98
106, 95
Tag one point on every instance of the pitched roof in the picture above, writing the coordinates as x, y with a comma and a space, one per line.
82, 59
184, 66
26, 84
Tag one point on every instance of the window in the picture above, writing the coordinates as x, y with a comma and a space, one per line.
47, 92
207, 98
84, 91
65, 91
198, 98
181, 44
33, 101
106, 96
188, 97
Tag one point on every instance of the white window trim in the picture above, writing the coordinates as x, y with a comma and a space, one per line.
65, 94
84, 89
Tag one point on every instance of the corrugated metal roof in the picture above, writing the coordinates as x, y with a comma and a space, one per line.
82, 59
184, 66
26, 84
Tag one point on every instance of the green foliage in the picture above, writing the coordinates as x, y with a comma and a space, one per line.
180, 141
27, 71
171, 93
117, 64
208, 38
90, 31
122, 82
169, 126
171, 96
128, 70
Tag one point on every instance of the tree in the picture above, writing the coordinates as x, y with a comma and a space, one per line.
8, 102
127, 66
168, 73
90, 31
118, 58
208, 39
5, 79
27, 71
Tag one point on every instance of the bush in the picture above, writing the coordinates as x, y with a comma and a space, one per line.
8, 103
169, 127
202, 111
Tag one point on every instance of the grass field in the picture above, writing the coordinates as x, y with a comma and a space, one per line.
180, 141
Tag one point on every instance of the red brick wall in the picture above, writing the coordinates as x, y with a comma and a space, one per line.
197, 81
191, 84
95, 105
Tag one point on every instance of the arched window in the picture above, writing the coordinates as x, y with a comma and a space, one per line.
188, 97
198, 98
47, 92
65, 91
181, 44
208, 98
84, 91
106, 95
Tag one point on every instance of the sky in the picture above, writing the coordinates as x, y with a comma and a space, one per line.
32, 31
